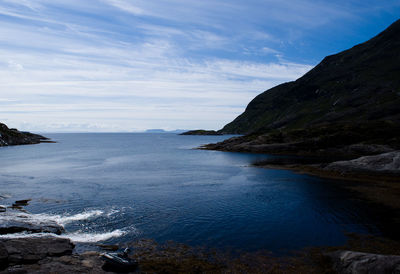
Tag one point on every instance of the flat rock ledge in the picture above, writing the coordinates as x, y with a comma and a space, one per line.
46, 255
13, 226
381, 163
350, 262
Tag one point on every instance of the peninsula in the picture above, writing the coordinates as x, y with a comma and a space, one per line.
12, 137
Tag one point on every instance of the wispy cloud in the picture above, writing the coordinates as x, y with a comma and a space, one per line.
112, 65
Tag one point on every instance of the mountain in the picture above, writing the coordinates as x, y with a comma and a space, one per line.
337, 116
357, 86
11, 137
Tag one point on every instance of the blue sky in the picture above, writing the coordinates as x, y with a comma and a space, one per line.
130, 65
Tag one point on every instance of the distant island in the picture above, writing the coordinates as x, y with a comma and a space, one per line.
159, 130
12, 137
342, 118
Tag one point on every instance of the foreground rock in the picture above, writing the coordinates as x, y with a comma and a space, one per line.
11, 222
46, 255
12, 137
350, 262
32, 250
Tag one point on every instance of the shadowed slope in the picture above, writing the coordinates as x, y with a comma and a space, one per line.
361, 84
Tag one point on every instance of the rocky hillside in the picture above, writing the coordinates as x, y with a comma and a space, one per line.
344, 109
357, 86
11, 137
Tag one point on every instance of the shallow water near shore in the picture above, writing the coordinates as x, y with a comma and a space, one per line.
114, 188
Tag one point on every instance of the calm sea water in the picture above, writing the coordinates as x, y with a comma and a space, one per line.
114, 188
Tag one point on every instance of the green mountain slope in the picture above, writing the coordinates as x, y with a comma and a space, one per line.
357, 86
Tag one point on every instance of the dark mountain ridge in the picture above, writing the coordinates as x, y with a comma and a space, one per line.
337, 116
358, 85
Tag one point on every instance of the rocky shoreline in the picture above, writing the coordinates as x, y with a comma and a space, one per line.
13, 137
41, 248
375, 177
201, 132
32, 245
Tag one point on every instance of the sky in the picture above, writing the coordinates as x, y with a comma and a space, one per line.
132, 65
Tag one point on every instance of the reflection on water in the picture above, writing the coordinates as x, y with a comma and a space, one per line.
120, 187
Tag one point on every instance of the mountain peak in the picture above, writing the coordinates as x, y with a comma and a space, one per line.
358, 85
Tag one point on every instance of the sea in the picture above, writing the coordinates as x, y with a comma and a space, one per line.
114, 188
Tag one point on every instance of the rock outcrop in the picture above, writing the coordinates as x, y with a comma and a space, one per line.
14, 221
382, 163
12, 137
350, 262
46, 255
32, 250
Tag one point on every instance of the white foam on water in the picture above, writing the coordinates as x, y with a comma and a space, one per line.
77, 237
66, 219
112, 212
28, 235
63, 219
4, 196
45, 218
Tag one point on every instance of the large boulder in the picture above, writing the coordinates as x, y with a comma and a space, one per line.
88, 262
350, 262
30, 250
384, 163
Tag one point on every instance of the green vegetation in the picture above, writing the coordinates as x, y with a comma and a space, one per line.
359, 85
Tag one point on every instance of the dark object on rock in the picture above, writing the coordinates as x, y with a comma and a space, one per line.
201, 132
119, 261
19, 208
349, 262
31, 250
12, 137
108, 247
22, 202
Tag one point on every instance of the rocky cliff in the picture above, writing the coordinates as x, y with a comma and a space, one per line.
11, 137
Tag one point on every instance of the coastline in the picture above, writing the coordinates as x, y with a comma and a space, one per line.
14, 137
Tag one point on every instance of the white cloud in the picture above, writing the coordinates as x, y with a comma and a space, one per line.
15, 66
112, 65
126, 6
